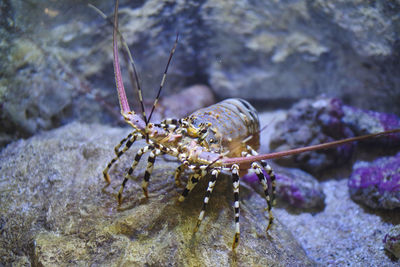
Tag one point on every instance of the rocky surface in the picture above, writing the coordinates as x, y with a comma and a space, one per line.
54, 212
181, 104
368, 121
312, 122
324, 119
294, 188
377, 184
344, 233
392, 241
55, 56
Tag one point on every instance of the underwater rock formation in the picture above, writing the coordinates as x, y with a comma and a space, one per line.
312, 122
294, 187
181, 104
54, 212
315, 121
56, 57
377, 184
392, 241
367, 122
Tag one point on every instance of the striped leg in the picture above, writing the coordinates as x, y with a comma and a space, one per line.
168, 124
132, 138
271, 174
264, 182
235, 182
271, 201
117, 147
192, 182
131, 169
211, 184
149, 169
178, 173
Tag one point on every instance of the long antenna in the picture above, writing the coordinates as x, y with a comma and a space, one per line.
127, 54
164, 75
134, 79
123, 101
274, 155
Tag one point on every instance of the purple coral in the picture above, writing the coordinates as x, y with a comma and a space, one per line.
294, 187
368, 122
377, 184
312, 122
322, 120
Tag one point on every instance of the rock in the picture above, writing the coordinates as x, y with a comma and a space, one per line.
343, 233
54, 212
294, 187
368, 122
377, 184
325, 119
312, 122
183, 103
299, 49
58, 58
392, 241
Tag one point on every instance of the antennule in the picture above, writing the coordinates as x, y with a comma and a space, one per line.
164, 75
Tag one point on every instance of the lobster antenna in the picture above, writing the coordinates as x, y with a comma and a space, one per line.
134, 77
295, 151
123, 101
127, 55
164, 75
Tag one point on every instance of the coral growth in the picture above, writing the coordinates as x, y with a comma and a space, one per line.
377, 184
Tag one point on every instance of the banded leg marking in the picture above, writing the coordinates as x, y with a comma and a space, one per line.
271, 174
178, 173
211, 184
149, 169
131, 169
132, 138
271, 201
117, 147
235, 182
264, 182
168, 124
192, 182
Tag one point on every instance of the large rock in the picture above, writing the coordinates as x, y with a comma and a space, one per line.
55, 57
312, 122
294, 188
321, 120
54, 212
377, 184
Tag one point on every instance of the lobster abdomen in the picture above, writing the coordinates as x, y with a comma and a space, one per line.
230, 122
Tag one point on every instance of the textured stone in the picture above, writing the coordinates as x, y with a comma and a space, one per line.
367, 122
57, 55
324, 119
297, 49
312, 122
181, 104
54, 212
294, 187
343, 233
377, 184
392, 241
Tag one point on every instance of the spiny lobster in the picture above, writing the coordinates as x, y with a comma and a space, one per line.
221, 137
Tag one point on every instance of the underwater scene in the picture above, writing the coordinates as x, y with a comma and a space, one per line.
199, 133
